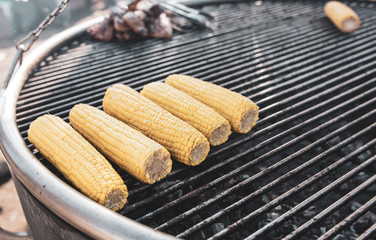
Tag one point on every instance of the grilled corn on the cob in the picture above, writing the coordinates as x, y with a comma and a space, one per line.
183, 141
140, 156
205, 119
78, 161
241, 112
342, 16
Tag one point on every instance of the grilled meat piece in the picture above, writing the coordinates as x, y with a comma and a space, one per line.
104, 31
140, 20
125, 36
161, 27
119, 24
139, 5
136, 21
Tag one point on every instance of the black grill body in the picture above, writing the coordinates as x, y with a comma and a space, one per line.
306, 170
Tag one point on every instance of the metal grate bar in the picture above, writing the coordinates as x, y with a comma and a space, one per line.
350, 219
69, 55
268, 186
289, 119
303, 204
278, 67
265, 130
273, 8
368, 233
302, 113
304, 124
192, 48
271, 140
137, 46
329, 210
191, 52
283, 55
316, 90
234, 19
39, 93
262, 174
101, 94
120, 63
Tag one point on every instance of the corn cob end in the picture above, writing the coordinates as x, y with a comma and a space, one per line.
342, 16
200, 116
350, 25
158, 166
116, 197
199, 153
118, 141
248, 120
220, 134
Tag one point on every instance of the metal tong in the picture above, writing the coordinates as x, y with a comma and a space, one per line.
198, 17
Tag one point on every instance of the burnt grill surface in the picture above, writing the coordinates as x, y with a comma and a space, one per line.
307, 169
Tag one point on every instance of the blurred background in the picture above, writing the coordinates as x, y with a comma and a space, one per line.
17, 19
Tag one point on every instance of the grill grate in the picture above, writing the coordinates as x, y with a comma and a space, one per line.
307, 170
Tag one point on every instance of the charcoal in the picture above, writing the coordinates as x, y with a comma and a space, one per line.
310, 212
355, 206
263, 223
273, 215
175, 195
287, 227
217, 227
364, 222
340, 237
196, 219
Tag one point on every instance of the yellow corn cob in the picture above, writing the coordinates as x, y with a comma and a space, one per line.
205, 119
240, 111
184, 142
132, 151
342, 16
78, 161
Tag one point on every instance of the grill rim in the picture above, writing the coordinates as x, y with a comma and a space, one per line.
89, 217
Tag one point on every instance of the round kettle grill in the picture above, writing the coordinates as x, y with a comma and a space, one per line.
315, 87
